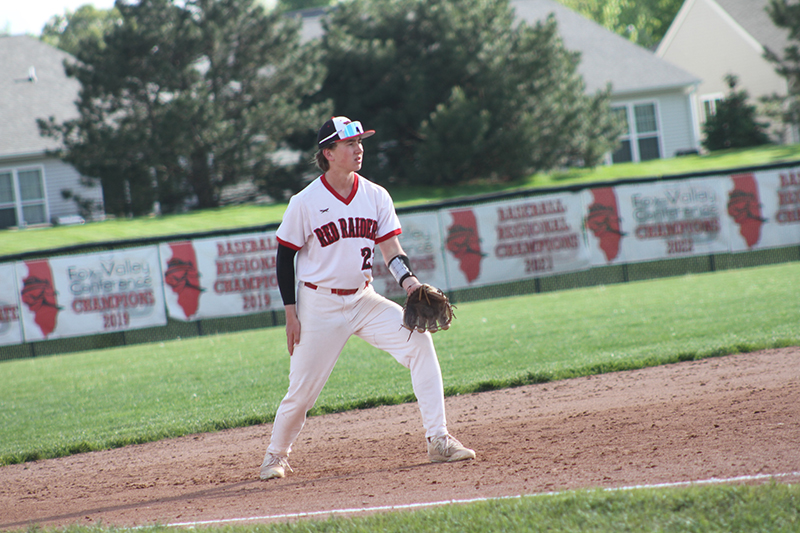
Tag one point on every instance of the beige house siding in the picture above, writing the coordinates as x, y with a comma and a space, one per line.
707, 42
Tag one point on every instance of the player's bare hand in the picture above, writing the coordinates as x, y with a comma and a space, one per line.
411, 284
292, 328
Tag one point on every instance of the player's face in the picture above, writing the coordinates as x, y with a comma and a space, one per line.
348, 155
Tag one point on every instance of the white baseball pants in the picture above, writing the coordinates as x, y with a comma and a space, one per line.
326, 323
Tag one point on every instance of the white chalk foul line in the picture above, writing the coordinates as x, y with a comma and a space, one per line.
332, 512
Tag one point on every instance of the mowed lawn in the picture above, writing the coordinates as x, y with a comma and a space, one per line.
59, 405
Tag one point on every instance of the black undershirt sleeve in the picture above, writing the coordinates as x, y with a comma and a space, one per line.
285, 271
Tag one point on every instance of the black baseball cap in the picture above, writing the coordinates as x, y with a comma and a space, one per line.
338, 129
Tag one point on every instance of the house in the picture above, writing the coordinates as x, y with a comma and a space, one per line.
33, 85
654, 98
714, 38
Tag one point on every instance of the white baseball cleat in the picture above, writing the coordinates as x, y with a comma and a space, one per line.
446, 449
274, 466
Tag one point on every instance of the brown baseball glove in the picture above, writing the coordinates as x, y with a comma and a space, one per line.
427, 309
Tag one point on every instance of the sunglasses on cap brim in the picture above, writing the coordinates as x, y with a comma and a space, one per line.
351, 129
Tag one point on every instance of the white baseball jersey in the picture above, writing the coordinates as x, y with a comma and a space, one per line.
335, 236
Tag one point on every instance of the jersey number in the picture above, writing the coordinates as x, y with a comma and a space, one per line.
366, 253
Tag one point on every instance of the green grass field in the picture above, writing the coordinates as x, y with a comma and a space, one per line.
59, 405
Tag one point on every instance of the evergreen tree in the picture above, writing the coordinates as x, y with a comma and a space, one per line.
180, 99
459, 91
786, 108
734, 124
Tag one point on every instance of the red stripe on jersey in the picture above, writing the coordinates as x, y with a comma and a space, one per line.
288, 244
388, 236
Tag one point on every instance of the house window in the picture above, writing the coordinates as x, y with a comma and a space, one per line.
623, 153
641, 139
22, 198
710, 102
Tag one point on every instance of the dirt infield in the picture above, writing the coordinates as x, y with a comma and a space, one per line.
717, 418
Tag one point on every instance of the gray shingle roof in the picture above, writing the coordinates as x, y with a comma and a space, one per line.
606, 56
753, 17
32, 85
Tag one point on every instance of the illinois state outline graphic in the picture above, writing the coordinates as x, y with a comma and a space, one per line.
744, 207
39, 295
463, 241
603, 221
183, 277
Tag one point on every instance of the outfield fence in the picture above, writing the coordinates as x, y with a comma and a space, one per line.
109, 294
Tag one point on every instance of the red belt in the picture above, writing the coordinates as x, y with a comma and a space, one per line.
340, 292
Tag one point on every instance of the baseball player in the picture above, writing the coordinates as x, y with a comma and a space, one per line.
324, 265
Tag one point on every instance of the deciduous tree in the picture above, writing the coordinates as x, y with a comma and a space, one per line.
642, 21
87, 23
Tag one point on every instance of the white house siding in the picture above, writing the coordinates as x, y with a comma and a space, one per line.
675, 116
675, 111
59, 176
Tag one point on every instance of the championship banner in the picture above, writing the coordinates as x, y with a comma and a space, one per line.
220, 276
88, 294
10, 325
507, 241
764, 209
422, 243
652, 221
